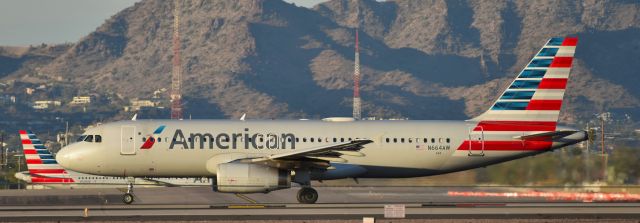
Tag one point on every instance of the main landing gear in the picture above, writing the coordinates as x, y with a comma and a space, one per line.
307, 195
128, 198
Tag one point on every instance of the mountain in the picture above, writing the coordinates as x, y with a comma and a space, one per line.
431, 59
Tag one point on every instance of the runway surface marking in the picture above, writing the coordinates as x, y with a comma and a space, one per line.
554, 196
244, 197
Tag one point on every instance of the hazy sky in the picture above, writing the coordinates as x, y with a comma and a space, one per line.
25, 22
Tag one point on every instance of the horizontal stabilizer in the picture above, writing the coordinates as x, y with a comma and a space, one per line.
547, 135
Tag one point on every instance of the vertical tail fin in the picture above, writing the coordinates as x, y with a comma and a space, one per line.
42, 166
534, 98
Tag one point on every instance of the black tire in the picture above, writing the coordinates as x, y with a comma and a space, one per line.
127, 198
307, 195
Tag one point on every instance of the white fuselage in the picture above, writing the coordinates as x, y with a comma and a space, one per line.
399, 148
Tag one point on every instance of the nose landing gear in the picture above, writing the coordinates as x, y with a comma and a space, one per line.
128, 197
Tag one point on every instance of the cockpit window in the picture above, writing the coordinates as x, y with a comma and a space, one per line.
98, 138
89, 138
81, 138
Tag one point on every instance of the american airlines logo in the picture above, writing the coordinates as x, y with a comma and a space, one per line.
152, 138
245, 140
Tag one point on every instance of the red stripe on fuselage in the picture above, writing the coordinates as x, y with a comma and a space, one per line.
41, 171
22, 132
544, 105
26, 141
526, 145
30, 151
51, 180
570, 41
553, 83
561, 62
515, 126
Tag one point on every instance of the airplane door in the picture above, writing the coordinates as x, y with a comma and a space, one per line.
127, 140
476, 141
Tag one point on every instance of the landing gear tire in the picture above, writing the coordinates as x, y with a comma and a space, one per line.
127, 198
307, 195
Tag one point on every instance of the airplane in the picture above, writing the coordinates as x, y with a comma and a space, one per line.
45, 172
259, 156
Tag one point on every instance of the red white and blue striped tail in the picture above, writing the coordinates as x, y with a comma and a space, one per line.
533, 100
42, 166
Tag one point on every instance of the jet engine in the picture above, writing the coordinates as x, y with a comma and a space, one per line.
251, 178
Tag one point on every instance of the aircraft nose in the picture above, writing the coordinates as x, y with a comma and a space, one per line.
72, 157
64, 157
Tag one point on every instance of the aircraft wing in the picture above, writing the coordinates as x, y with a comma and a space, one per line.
331, 152
547, 135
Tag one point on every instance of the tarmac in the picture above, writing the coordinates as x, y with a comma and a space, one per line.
335, 204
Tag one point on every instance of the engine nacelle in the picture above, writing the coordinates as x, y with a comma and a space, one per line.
251, 178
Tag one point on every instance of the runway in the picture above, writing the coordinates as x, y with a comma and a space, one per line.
341, 203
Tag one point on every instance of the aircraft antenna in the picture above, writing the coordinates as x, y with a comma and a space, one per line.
357, 115
176, 93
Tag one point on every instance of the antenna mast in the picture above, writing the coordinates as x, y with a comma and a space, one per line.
176, 93
357, 115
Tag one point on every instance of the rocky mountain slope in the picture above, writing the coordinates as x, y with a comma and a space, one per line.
431, 59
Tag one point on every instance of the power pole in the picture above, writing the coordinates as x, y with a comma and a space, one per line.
604, 155
586, 155
176, 85
2, 148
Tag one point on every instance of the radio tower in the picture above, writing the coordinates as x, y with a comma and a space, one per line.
357, 115
176, 94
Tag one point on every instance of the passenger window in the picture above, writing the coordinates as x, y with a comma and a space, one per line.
448, 140
341, 139
297, 139
395, 140
425, 140
89, 138
159, 139
335, 140
304, 139
387, 140
144, 139
311, 139
98, 138
319, 140
402, 140
433, 140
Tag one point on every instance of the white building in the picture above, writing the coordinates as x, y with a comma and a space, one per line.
80, 100
137, 104
45, 104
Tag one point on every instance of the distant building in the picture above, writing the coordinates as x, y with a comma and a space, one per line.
40, 105
29, 90
81, 100
6, 99
137, 104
